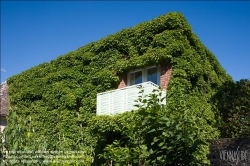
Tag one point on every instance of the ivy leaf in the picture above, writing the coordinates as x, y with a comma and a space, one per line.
15, 146
153, 130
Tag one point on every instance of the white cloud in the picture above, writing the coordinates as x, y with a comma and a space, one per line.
3, 70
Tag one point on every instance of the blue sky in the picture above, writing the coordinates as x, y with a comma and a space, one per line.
37, 32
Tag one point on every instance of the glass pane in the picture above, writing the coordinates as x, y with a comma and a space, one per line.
152, 75
136, 78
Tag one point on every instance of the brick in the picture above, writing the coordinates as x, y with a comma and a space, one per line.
165, 74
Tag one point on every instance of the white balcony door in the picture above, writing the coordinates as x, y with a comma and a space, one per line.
153, 75
143, 75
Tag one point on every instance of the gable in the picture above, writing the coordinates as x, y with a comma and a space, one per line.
62, 93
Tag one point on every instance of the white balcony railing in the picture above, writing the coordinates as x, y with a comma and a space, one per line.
122, 100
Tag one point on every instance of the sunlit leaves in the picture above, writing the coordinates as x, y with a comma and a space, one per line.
60, 96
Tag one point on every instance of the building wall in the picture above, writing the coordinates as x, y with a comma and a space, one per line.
123, 81
165, 74
3, 123
230, 151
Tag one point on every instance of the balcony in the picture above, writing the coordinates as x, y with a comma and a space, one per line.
122, 100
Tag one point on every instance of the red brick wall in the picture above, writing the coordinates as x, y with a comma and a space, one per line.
165, 74
123, 81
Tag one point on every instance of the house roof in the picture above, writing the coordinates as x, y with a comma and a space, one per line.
4, 98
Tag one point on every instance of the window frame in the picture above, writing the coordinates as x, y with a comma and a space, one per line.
144, 74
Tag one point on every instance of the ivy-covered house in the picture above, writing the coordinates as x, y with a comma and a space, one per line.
63, 94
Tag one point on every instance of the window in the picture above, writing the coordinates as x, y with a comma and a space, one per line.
143, 75
152, 75
136, 78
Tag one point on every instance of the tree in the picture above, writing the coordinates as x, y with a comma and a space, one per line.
233, 104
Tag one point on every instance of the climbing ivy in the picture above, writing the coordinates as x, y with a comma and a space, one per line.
60, 96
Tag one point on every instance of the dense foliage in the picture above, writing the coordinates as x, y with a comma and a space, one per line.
58, 98
21, 143
155, 135
234, 109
